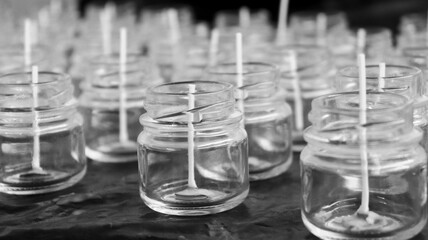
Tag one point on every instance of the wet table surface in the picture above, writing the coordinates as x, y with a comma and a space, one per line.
106, 205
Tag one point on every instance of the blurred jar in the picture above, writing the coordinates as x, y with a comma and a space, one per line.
220, 166
403, 80
267, 117
12, 59
313, 73
412, 31
331, 169
52, 118
377, 47
317, 28
100, 104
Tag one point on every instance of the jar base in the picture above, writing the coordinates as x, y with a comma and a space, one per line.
31, 182
380, 233
193, 207
272, 171
113, 153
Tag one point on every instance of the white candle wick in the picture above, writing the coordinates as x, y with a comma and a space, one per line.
244, 17
364, 207
321, 23
297, 92
123, 121
36, 138
27, 42
214, 40
361, 40
281, 30
382, 73
239, 73
191, 138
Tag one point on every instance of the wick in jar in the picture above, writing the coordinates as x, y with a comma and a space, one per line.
361, 41
214, 39
426, 31
123, 129
363, 219
381, 77
298, 101
36, 138
244, 17
281, 29
192, 192
27, 42
239, 74
321, 26
364, 208
106, 17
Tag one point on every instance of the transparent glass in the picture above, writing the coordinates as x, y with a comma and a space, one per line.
100, 105
413, 30
306, 30
378, 46
331, 172
12, 59
314, 70
403, 80
53, 119
267, 117
220, 165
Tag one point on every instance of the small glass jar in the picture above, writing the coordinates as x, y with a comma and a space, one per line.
413, 31
267, 117
305, 26
100, 105
331, 169
12, 59
314, 70
220, 165
403, 80
54, 122
417, 57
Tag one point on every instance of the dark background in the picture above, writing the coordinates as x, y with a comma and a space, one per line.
361, 13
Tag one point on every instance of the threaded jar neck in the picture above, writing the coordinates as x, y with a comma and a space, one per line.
169, 103
336, 116
403, 80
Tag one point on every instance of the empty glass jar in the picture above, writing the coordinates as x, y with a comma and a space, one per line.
331, 169
403, 80
193, 160
41, 135
314, 70
101, 103
267, 117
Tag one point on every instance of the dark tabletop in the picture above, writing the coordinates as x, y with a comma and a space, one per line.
106, 205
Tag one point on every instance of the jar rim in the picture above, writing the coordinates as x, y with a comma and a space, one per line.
113, 58
60, 77
156, 89
317, 103
270, 67
415, 71
415, 51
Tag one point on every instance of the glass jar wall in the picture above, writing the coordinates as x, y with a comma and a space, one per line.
42, 143
192, 175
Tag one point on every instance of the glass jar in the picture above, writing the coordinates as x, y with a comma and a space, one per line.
12, 59
54, 122
412, 30
100, 105
417, 57
403, 80
267, 116
216, 179
331, 169
314, 70
307, 29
